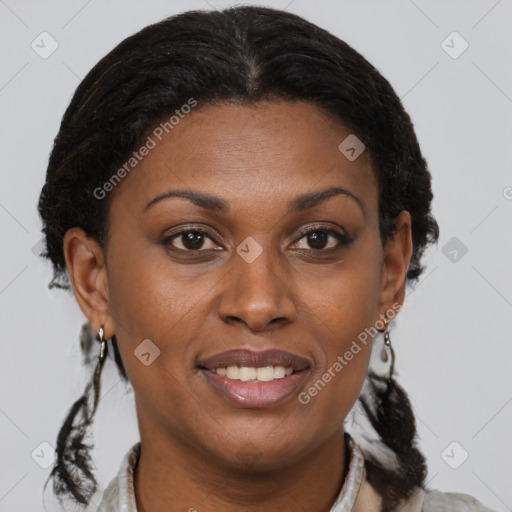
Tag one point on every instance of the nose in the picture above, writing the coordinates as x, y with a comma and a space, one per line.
256, 294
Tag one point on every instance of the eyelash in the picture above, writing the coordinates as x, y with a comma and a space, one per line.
343, 240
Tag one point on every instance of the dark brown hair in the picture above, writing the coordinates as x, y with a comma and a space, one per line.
243, 54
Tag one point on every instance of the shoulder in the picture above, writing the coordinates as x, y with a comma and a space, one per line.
432, 500
119, 494
110, 498
420, 499
437, 501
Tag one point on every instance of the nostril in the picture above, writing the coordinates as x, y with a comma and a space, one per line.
233, 320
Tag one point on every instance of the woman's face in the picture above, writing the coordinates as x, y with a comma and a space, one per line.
228, 265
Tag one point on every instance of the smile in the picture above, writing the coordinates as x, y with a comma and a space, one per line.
252, 374
255, 379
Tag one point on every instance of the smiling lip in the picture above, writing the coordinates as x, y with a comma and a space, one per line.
255, 394
246, 357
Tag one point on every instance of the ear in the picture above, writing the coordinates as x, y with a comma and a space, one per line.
396, 258
88, 276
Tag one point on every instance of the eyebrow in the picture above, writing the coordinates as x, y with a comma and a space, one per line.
297, 205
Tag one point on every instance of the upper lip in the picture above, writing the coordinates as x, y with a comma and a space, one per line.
250, 358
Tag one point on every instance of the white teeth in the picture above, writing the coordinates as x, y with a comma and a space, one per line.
279, 372
233, 372
247, 374
266, 373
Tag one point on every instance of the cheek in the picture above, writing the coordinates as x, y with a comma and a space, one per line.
147, 298
336, 383
343, 306
343, 300
159, 309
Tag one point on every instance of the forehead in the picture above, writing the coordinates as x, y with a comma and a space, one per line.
266, 152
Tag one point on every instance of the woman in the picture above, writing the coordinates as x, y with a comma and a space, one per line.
238, 200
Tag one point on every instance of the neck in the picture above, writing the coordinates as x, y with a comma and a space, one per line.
168, 476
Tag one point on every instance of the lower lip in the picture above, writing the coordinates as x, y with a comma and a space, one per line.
256, 394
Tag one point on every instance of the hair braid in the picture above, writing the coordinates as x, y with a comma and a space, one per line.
72, 471
390, 413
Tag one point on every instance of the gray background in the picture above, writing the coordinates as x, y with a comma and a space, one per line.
453, 337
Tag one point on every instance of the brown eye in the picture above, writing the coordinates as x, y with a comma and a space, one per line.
322, 238
317, 239
191, 240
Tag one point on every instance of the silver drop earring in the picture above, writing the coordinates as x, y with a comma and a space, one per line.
99, 367
388, 348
